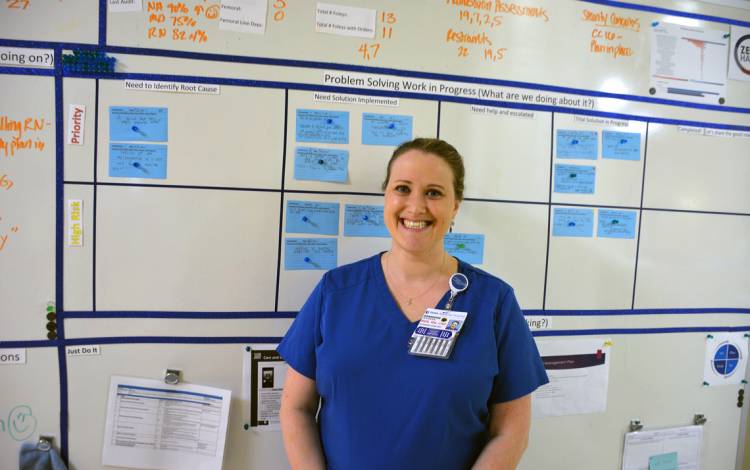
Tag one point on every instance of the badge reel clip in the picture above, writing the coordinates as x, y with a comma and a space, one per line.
437, 331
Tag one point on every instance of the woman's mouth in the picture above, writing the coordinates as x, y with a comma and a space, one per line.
415, 224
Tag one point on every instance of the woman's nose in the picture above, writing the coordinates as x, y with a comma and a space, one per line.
417, 203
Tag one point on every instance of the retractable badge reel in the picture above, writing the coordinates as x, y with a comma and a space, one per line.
437, 331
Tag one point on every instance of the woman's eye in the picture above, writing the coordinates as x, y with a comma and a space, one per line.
434, 193
401, 189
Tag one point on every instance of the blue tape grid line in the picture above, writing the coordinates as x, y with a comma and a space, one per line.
365, 69
180, 315
95, 191
102, 23
642, 331
275, 339
666, 11
59, 244
78, 314
27, 71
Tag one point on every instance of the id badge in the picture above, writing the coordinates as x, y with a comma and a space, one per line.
436, 333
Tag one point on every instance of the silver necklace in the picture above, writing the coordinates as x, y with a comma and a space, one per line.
410, 300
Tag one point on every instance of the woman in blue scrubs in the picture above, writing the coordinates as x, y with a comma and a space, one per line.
355, 398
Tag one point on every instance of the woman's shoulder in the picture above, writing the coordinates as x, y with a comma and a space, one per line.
484, 279
349, 275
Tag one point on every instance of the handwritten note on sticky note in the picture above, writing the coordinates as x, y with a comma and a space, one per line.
321, 164
362, 220
309, 253
615, 223
621, 145
385, 129
138, 160
468, 247
327, 127
321, 218
137, 123
572, 222
577, 144
577, 179
663, 462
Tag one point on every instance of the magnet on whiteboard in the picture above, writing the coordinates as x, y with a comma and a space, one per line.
172, 376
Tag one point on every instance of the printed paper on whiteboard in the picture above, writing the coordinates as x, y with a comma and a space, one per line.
739, 54
151, 424
689, 64
578, 371
726, 359
345, 20
244, 16
263, 382
642, 447
119, 6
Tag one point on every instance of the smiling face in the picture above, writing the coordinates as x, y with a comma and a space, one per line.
420, 202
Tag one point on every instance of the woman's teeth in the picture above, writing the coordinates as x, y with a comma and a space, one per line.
415, 224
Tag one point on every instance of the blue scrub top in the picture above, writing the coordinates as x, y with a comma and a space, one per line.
384, 408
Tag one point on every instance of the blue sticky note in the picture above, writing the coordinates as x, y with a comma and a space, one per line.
362, 220
621, 145
614, 223
386, 129
663, 462
138, 160
577, 144
467, 246
309, 253
328, 127
576, 179
138, 123
572, 222
321, 218
321, 164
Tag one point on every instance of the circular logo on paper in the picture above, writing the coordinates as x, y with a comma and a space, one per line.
742, 54
726, 359
21, 422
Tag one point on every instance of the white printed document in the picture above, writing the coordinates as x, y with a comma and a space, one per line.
151, 424
264, 374
689, 63
643, 447
578, 371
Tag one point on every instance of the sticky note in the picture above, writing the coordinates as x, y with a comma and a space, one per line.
327, 127
621, 145
321, 164
572, 222
577, 144
362, 220
615, 223
468, 247
138, 160
576, 179
321, 218
663, 462
385, 129
309, 253
137, 123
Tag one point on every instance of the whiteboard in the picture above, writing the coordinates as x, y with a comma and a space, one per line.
184, 271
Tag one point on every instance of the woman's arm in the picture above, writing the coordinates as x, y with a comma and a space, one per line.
509, 434
299, 403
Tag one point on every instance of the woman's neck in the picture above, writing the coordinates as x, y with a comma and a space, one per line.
418, 266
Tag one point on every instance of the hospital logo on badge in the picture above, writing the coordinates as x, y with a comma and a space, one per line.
742, 54
726, 358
